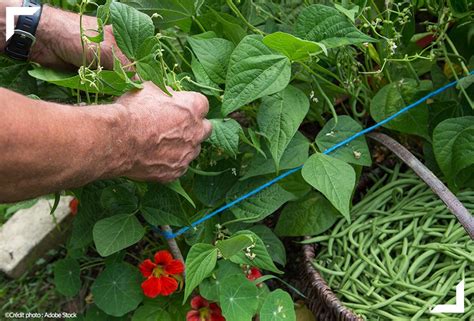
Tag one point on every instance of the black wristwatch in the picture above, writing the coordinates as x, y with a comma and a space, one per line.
19, 45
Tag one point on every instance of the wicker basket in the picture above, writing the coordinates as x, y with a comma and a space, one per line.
321, 300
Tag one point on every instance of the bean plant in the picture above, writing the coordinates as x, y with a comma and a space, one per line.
285, 80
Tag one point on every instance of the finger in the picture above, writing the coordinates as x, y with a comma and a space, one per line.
197, 151
201, 104
207, 129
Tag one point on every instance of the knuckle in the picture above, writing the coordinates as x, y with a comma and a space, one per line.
201, 101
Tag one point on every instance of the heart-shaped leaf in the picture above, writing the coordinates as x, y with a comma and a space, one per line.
214, 55
356, 152
279, 118
254, 71
334, 178
131, 28
200, 262
310, 216
225, 135
116, 233
328, 26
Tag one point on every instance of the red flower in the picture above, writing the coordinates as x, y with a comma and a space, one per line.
162, 275
253, 273
202, 310
73, 204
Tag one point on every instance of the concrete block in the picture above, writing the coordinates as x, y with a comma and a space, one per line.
30, 233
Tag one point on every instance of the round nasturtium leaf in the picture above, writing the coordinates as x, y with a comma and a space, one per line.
117, 289
67, 277
278, 306
238, 298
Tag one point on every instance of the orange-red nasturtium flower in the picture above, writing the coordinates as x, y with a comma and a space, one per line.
73, 204
253, 273
202, 310
162, 276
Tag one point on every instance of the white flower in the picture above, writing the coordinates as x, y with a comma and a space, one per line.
392, 46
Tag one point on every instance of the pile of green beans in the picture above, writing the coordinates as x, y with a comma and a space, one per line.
403, 253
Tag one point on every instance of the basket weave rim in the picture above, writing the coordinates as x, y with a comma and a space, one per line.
324, 292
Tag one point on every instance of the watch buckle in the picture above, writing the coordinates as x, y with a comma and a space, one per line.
25, 34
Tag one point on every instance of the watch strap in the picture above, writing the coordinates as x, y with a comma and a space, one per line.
19, 45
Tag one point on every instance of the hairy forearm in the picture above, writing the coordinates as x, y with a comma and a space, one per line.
48, 147
58, 38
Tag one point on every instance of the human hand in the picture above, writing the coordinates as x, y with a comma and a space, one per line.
59, 44
164, 133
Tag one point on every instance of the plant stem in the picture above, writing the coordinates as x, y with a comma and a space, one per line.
174, 248
454, 49
451, 201
199, 24
237, 12
450, 64
328, 101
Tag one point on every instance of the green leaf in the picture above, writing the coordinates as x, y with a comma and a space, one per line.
356, 152
214, 55
203, 78
148, 64
293, 47
279, 118
238, 298
209, 288
124, 75
254, 71
108, 82
460, 8
224, 24
225, 135
119, 199
151, 312
233, 245
116, 233
162, 206
328, 26
211, 190
278, 306
295, 184
334, 178
204, 232
171, 12
349, 13
178, 188
200, 262
260, 205
397, 95
14, 75
295, 155
131, 28
89, 212
256, 255
57, 197
274, 246
95, 314
310, 216
67, 277
452, 144
117, 289
463, 158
